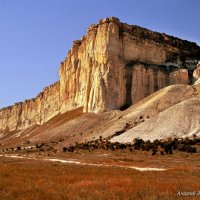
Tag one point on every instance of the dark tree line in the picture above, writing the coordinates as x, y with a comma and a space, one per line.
156, 146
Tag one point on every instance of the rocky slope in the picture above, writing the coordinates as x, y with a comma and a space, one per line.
170, 112
163, 118
113, 66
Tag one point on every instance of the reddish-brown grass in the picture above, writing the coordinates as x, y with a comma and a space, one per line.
38, 180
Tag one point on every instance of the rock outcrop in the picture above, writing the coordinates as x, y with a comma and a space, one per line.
113, 66
117, 64
33, 111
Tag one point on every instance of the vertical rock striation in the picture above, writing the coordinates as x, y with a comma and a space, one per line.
92, 75
32, 112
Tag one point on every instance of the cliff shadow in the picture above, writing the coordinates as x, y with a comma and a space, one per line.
129, 76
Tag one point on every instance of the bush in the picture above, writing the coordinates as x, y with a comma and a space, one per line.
18, 148
191, 150
165, 147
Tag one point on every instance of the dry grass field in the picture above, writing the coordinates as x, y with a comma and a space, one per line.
22, 179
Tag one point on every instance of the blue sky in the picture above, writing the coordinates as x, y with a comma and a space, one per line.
35, 35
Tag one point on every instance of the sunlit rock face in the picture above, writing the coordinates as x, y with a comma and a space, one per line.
196, 74
113, 66
92, 75
33, 111
117, 64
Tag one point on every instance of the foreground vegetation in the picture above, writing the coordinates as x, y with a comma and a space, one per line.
157, 146
39, 180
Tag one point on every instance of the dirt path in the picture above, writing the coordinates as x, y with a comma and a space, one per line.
78, 162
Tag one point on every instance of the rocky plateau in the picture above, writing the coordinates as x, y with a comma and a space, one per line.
118, 77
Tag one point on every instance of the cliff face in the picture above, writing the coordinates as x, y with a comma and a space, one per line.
113, 66
32, 112
117, 64
92, 74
